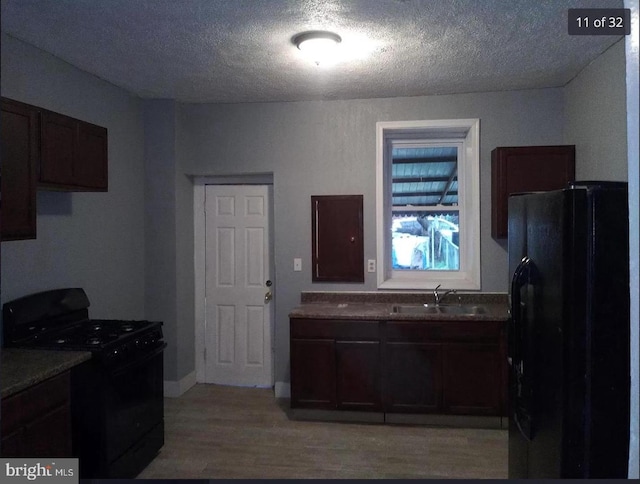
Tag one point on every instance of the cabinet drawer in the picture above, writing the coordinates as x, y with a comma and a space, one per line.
20, 409
472, 331
335, 329
414, 331
445, 331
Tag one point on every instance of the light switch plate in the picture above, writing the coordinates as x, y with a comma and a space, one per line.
371, 265
297, 264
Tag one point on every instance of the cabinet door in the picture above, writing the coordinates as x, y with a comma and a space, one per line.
36, 422
313, 373
526, 169
472, 375
413, 377
20, 152
58, 149
12, 444
49, 435
337, 238
90, 164
358, 375
74, 154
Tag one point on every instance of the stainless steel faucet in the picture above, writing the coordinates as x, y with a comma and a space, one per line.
440, 297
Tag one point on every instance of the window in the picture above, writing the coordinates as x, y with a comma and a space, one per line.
428, 204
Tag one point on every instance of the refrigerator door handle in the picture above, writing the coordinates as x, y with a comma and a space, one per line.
520, 278
524, 274
526, 433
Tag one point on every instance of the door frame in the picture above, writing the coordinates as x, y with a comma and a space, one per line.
199, 260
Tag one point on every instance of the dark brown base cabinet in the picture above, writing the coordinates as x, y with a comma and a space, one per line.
335, 364
473, 379
413, 377
37, 421
415, 367
358, 375
313, 373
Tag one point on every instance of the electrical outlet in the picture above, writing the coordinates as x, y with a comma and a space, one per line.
371, 265
297, 264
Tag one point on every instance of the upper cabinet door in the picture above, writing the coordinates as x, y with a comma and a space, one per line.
337, 238
526, 169
74, 154
20, 151
58, 149
90, 167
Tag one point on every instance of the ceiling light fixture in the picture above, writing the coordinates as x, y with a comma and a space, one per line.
320, 46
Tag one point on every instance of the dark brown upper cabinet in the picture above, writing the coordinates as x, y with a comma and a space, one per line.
47, 150
526, 169
74, 154
20, 153
337, 238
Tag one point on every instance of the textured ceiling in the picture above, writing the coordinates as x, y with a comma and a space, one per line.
241, 50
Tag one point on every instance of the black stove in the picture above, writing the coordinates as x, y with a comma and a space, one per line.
112, 341
117, 396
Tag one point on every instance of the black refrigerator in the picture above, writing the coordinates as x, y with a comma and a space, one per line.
568, 348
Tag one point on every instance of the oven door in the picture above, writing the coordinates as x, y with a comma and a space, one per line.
133, 403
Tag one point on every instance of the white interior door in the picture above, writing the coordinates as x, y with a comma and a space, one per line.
237, 286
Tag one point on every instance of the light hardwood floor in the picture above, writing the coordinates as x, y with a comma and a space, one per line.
214, 432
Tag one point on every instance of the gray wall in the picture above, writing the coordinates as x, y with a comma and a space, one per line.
595, 110
169, 293
160, 222
89, 240
328, 147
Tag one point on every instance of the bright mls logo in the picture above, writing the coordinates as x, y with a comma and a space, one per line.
39, 470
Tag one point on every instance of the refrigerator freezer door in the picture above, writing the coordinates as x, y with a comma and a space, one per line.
537, 293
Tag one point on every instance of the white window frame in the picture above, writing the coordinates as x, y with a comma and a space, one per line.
466, 132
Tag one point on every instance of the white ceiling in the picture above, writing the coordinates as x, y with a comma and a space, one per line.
241, 50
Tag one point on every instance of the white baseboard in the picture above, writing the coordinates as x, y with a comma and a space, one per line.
282, 389
173, 389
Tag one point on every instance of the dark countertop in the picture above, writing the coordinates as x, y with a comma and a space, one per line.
378, 306
382, 311
20, 368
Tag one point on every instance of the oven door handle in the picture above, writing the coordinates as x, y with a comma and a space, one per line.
119, 370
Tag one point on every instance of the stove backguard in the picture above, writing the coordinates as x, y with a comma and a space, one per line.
36, 314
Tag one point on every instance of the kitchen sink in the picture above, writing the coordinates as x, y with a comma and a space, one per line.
415, 309
461, 309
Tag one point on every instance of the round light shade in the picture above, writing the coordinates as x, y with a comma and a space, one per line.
318, 45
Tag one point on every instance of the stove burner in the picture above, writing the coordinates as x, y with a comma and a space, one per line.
126, 327
94, 341
96, 327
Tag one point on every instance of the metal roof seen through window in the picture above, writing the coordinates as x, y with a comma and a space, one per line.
425, 176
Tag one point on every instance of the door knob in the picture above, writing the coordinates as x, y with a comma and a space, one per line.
268, 296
